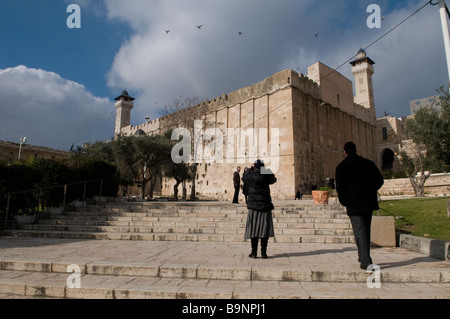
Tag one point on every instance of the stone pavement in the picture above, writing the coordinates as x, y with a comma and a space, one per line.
38, 267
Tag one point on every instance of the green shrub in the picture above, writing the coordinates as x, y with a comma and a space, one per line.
38, 184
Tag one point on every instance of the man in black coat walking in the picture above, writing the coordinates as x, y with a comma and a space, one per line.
357, 182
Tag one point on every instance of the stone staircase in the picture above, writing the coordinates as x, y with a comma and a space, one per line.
181, 250
301, 222
43, 268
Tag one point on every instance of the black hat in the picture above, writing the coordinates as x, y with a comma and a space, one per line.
258, 164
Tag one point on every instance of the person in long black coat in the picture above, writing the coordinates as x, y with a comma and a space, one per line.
357, 182
259, 203
237, 185
245, 186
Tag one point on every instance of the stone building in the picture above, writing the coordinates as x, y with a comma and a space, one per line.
392, 136
10, 152
307, 120
426, 101
390, 139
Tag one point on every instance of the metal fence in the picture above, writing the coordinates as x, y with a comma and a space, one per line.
39, 193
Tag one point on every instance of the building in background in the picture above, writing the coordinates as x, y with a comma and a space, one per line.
427, 101
10, 152
314, 114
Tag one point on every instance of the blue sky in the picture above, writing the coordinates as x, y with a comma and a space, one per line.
37, 36
57, 84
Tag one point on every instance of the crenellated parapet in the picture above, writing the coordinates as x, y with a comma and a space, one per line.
322, 83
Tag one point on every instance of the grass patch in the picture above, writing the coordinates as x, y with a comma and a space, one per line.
424, 217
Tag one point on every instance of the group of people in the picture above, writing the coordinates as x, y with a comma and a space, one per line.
357, 182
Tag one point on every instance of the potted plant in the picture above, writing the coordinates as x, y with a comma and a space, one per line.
321, 195
25, 219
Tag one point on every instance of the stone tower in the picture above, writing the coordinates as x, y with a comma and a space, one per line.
362, 69
124, 104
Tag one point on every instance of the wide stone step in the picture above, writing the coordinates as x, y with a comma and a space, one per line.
160, 281
202, 205
43, 268
318, 224
171, 236
288, 222
216, 272
224, 229
99, 214
143, 220
129, 287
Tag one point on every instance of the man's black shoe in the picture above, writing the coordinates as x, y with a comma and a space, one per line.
364, 266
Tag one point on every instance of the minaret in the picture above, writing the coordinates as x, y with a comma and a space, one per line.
124, 104
362, 69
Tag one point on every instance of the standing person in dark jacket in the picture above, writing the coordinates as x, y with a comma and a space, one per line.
245, 186
237, 185
259, 204
357, 182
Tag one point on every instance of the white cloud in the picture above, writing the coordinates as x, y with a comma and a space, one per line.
158, 67
51, 111
206, 63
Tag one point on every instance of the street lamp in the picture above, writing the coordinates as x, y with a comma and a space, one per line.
22, 141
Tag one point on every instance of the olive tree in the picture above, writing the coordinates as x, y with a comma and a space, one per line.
183, 114
429, 130
142, 158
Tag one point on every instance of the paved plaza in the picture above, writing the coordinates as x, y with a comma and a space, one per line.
173, 269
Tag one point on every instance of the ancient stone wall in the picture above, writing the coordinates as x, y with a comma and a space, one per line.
320, 134
436, 184
309, 120
311, 135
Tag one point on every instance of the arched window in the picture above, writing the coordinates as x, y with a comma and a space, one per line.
387, 158
139, 133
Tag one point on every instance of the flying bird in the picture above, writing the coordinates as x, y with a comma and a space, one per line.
167, 31
240, 33
200, 26
316, 35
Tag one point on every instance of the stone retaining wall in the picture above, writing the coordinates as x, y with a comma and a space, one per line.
436, 184
431, 247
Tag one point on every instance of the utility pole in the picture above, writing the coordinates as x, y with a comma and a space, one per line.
444, 22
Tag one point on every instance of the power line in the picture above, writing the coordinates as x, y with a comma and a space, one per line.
348, 60
415, 12
351, 58
381, 37
446, 8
